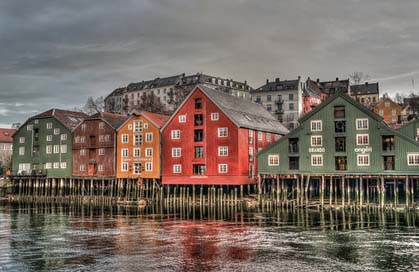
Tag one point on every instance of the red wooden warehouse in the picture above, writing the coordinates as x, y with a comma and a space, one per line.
94, 145
212, 139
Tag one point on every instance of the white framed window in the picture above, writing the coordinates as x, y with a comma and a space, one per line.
100, 168
316, 160
136, 168
77, 139
82, 139
48, 165
130, 127
417, 132
64, 137
36, 121
63, 165
222, 168
48, 149
260, 135
22, 150
148, 166
149, 137
138, 139
101, 138
387, 104
381, 113
56, 149
273, 160
21, 140
268, 137
214, 116
124, 167
63, 149
182, 118
138, 126
149, 152
49, 138
82, 152
107, 138
175, 134
29, 127
101, 151
363, 159
413, 159
49, 125
362, 124
251, 152
137, 152
222, 132
316, 125
316, 140
83, 127
82, 167
124, 152
145, 125
176, 152
223, 151
56, 165
56, 131
362, 139
177, 168
101, 125
125, 138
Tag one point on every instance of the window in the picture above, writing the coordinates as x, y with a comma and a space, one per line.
294, 163
82, 152
269, 98
107, 138
63, 137
130, 127
250, 136
136, 168
198, 120
268, 137
76, 139
340, 126
138, 126
124, 167
413, 159
22, 140
56, 165
137, 152
273, 160
63, 149
269, 107
101, 138
124, 152
148, 166
387, 104
56, 131
149, 137
316, 140
316, 125
198, 135
260, 136
101, 125
176, 152
381, 113
223, 151
341, 163
149, 152
388, 143
56, 149
101, 151
138, 139
316, 160
222, 168
393, 113
362, 139
293, 145
199, 169
63, 165
145, 125
222, 132
251, 153
82, 167
291, 96
340, 144
177, 168
214, 116
291, 106
389, 163
125, 138
49, 125
182, 118
29, 127
48, 165
198, 103
199, 152
83, 127
361, 124
339, 112
175, 134
48, 149
363, 160
82, 139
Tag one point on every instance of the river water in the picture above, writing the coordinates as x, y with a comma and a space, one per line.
66, 238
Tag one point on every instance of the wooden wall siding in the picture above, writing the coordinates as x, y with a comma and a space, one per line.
237, 143
39, 162
128, 129
92, 160
376, 130
388, 117
410, 130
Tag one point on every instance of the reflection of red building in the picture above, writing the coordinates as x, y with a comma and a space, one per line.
312, 96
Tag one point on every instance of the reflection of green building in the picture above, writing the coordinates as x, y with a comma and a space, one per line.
341, 137
43, 144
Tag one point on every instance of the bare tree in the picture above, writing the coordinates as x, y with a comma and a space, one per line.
177, 95
151, 103
94, 105
399, 98
357, 77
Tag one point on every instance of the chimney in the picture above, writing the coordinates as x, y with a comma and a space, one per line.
299, 77
337, 79
267, 81
245, 82
277, 79
318, 80
366, 83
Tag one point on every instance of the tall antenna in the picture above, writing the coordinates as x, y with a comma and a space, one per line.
413, 84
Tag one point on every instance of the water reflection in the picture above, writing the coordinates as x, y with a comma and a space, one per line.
73, 238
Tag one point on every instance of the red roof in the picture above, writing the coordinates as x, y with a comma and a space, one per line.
6, 135
157, 119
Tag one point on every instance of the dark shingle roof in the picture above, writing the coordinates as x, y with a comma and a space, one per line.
70, 119
113, 119
278, 85
367, 88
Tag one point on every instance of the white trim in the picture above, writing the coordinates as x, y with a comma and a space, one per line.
316, 128
226, 132
415, 160
223, 148
222, 165
361, 120
318, 137
316, 156
362, 135
272, 159
177, 168
363, 163
176, 152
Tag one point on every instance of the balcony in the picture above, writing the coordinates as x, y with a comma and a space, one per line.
279, 101
279, 111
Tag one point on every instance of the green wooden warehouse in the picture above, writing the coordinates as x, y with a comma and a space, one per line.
411, 129
42, 146
341, 139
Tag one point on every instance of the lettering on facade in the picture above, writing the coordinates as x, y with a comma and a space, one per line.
316, 150
363, 150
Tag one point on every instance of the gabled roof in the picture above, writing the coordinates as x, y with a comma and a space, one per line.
6, 135
367, 88
70, 119
113, 119
278, 85
311, 88
243, 113
387, 99
158, 119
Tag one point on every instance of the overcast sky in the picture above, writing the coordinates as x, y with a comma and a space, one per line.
57, 53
